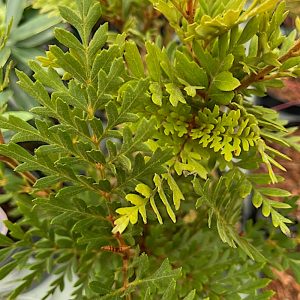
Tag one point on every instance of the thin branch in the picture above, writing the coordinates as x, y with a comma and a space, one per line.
190, 11
285, 105
1, 138
13, 164
125, 261
182, 12
123, 250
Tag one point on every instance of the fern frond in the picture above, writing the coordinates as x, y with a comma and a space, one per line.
223, 199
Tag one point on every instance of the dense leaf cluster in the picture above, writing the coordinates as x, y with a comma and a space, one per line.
137, 149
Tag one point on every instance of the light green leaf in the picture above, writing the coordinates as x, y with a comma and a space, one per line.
225, 81
4, 56
14, 11
175, 94
278, 204
158, 183
257, 199
71, 16
69, 40
130, 212
170, 291
156, 211
274, 192
177, 194
69, 63
191, 90
167, 9
135, 199
153, 61
191, 295
290, 63
98, 41
250, 29
285, 230
198, 167
265, 6
133, 59
121, 224
190, 71
46, 182
144, 190
266, 208
271, 59
7, 268
156, 90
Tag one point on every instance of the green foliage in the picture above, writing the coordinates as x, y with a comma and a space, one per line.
161, 282
52, 6
137, 18
28, 32
137, 147
222, 198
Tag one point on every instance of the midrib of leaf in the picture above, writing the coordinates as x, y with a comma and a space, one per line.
111, 78
54, 171
55, 112
62, 146
86, 50
94, 78
65, 90
136, 175
130, 149
123, 112
53, 142
36, 162
65, 122
62, 209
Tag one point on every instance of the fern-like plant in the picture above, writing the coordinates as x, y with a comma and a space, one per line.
144, 154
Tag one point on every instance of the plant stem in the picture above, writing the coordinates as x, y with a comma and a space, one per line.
1, 138
190, 11
124, 251
125, 261
182, 12
31, 179
285, 105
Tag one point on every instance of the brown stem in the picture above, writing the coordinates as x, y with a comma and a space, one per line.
119, 250
125, 261
285, 105
31, 179
124, 250
182, 12
190, 10
1, 138
13, 164
248, 80
202, 94
189, 6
